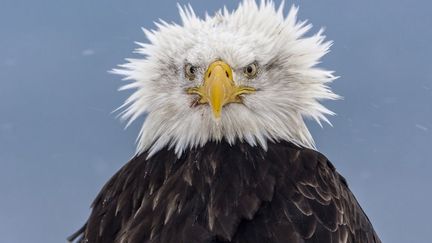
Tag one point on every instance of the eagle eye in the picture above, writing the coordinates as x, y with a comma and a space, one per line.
190, 71
251, 70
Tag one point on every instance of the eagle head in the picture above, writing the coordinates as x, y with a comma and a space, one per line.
249, 75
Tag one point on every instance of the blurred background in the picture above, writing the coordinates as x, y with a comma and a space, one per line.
59, 141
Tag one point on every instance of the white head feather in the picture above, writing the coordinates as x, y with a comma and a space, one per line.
289, 84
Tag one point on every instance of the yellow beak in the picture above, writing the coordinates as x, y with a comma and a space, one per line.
218, 88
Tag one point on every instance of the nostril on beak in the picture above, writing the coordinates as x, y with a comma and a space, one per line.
227, 74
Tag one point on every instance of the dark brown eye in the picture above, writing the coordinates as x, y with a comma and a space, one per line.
190, 71
251, 70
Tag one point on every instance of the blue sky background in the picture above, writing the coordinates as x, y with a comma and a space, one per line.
59, 141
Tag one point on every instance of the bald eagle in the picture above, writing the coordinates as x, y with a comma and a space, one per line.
224, 154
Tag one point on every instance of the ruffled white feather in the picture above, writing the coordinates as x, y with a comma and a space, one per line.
289, 83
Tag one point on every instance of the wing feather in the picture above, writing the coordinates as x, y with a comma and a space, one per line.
228, 193
313, 198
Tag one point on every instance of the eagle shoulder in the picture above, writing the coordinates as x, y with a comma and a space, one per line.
311, 203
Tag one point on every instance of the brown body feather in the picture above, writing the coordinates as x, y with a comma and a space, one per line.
228, 193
